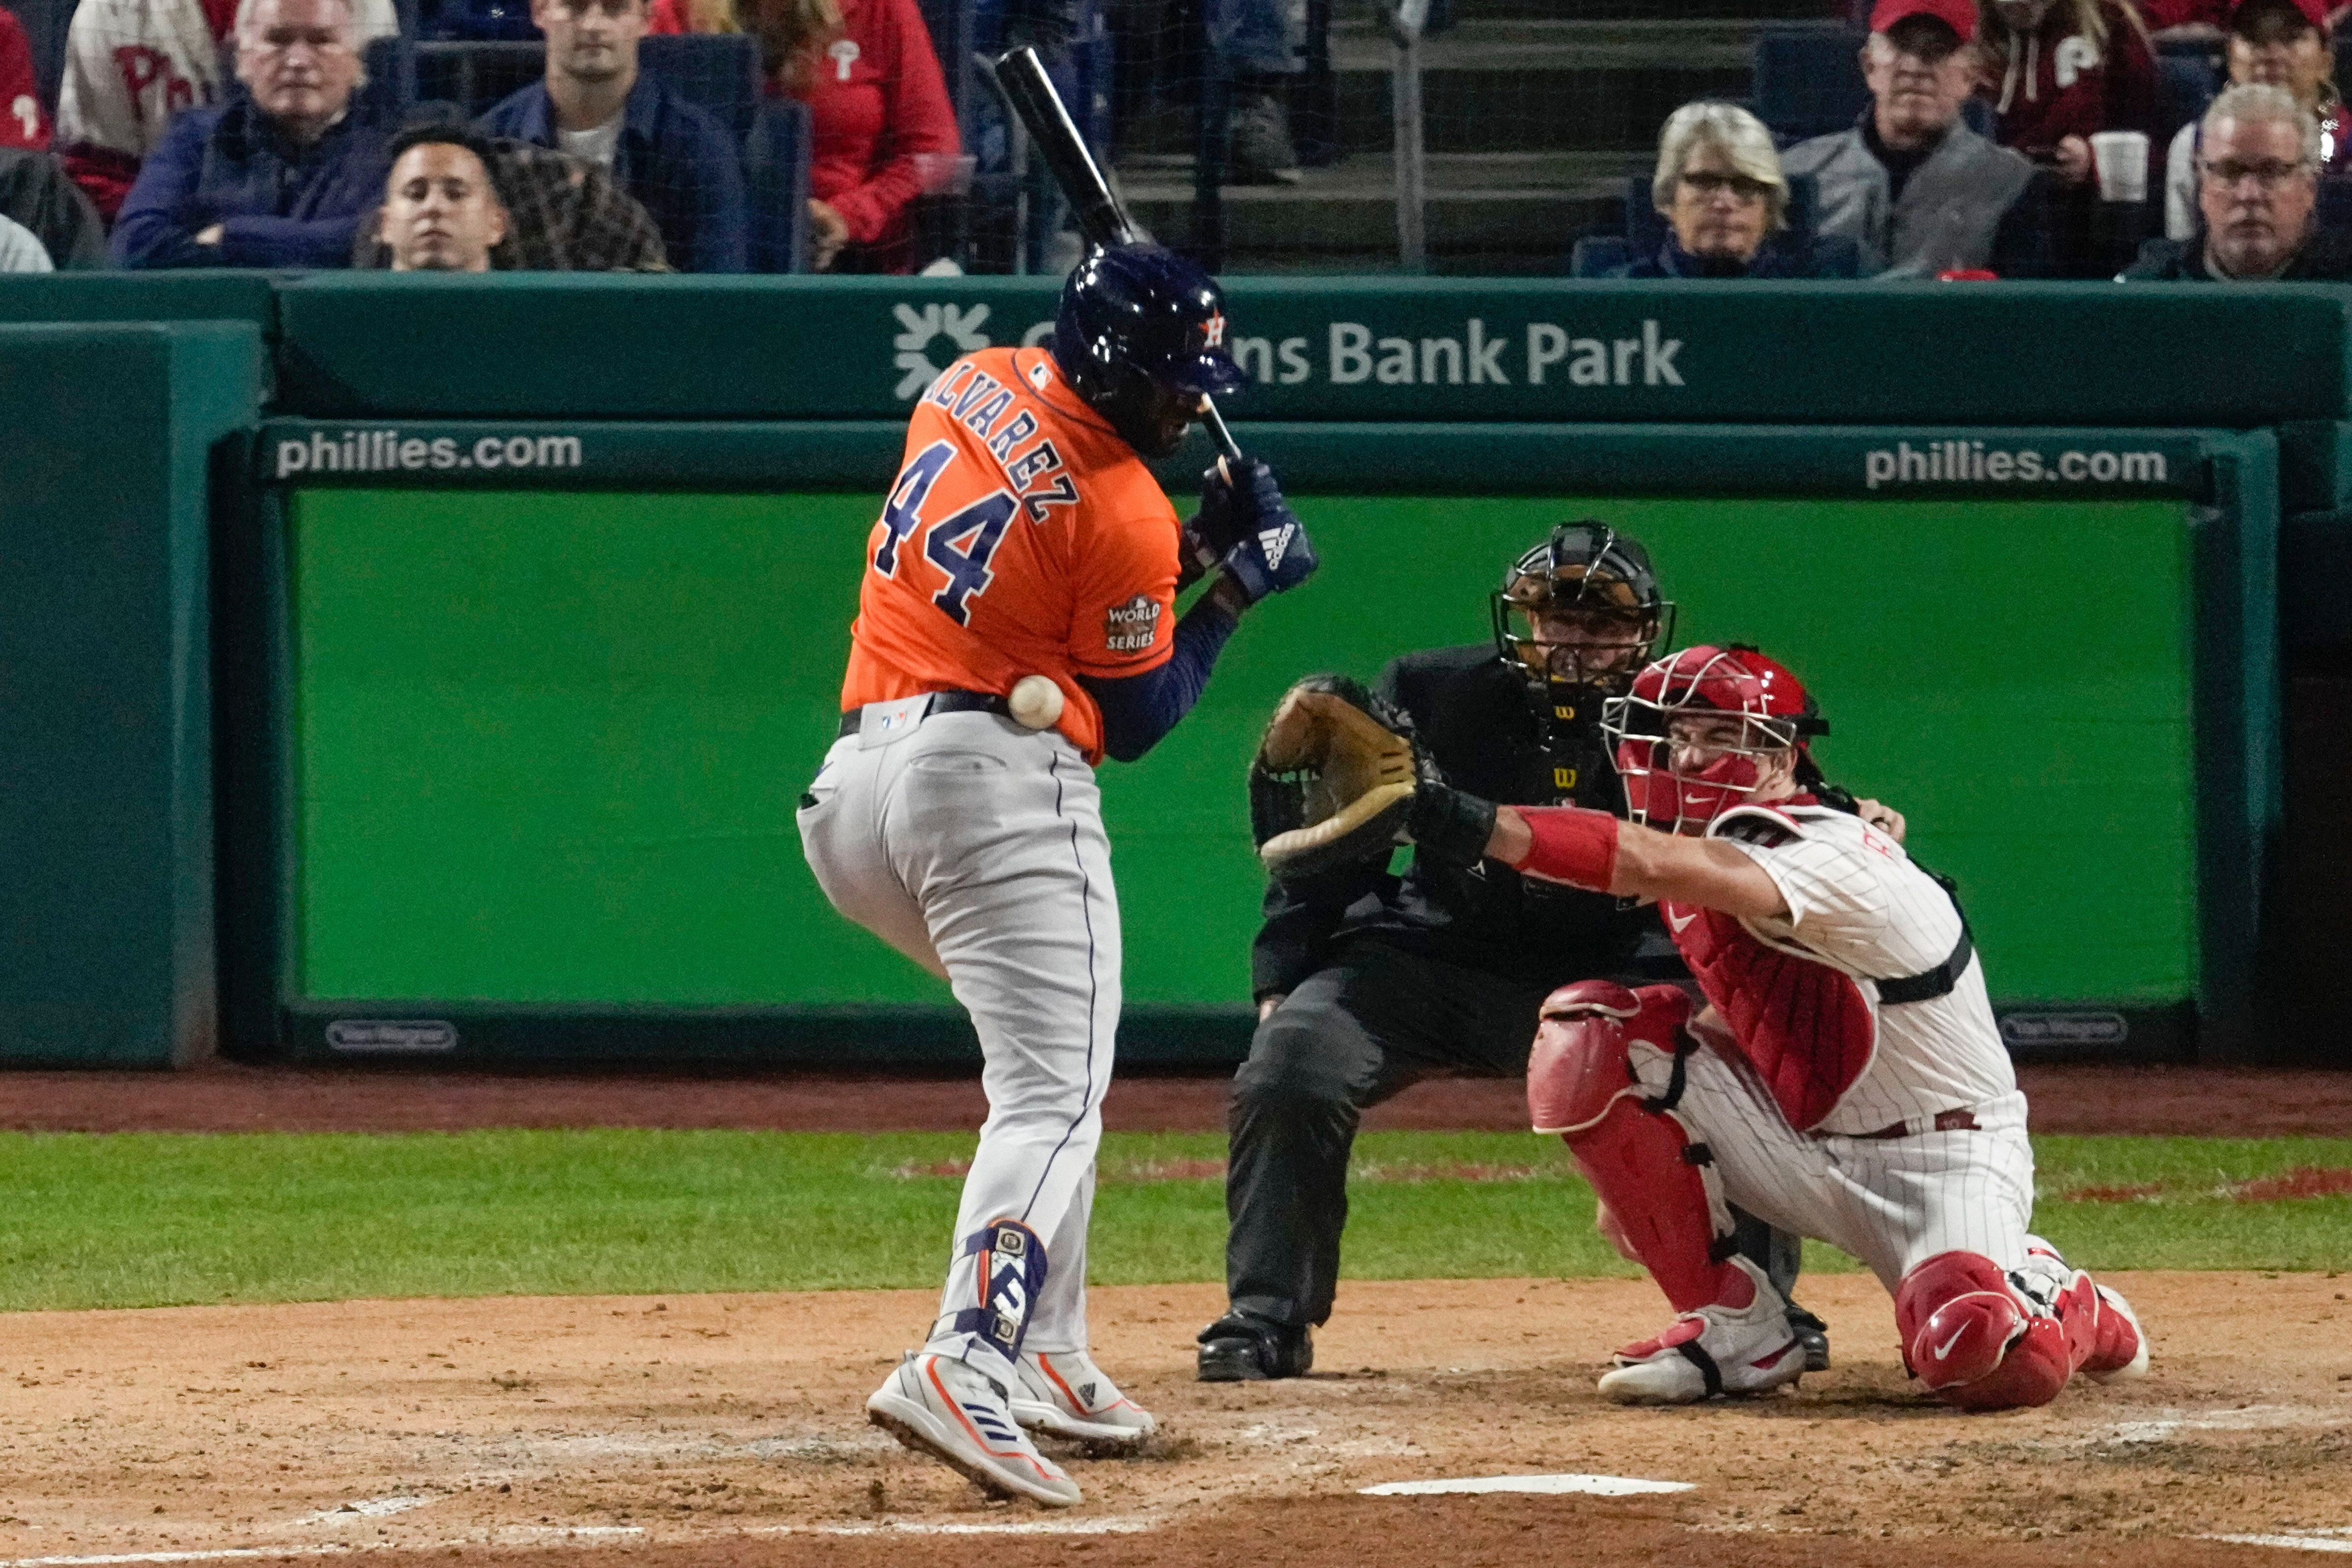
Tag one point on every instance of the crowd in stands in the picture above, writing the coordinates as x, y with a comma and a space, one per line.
2063, 159
246, 133
2000, 138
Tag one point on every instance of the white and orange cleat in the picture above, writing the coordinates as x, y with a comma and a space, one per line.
1064, 1394
958, 1416
1714, 1350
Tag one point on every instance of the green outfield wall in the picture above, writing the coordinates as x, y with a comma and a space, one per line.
543, 739
548, 743
469, 728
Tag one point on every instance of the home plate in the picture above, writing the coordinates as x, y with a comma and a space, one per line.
1592, 1486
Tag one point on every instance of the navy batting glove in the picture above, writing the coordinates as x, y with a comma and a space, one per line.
1231, 495
1275, 559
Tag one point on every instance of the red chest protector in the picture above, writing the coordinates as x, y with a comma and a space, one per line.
1805, 1027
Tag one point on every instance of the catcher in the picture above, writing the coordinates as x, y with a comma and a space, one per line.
1365, 982
1845, 1078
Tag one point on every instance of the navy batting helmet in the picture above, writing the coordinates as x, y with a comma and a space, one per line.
1137, 325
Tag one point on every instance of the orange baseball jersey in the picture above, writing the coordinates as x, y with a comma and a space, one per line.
1021, 537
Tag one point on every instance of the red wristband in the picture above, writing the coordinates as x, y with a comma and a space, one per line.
1571, 844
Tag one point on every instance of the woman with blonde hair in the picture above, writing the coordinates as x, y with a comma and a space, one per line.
2059, 71
877, 107
1720, 189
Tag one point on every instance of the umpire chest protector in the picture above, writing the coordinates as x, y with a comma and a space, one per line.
1473, 716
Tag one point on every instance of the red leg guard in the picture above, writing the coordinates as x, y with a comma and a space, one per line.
1581, 1084
1976, 1343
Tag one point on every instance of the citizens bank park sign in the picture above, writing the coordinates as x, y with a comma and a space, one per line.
1542, 351
1372, 354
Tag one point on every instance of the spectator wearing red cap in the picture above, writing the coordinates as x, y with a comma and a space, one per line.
2281, 43
2162, 15
1919, 191
2060, 71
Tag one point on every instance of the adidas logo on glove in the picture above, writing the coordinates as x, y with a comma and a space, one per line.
1276, 543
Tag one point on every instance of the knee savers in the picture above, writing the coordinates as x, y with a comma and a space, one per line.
1977, 1343
1637, 1153
1579, 1067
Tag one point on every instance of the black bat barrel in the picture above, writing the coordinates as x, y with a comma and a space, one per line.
1021, 75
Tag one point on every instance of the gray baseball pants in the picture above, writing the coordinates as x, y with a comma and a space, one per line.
975, 847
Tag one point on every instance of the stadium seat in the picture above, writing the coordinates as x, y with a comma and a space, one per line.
1597, 256
391, 66
954, 25
1809, 79
2185, 86
476, 73
718, 72
775, 176
2333, 208
486, 20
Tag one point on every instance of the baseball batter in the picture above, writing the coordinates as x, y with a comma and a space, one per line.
1015, 624
1845, 1080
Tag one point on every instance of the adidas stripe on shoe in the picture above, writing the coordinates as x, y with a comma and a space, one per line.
951, 1411
1065, 1395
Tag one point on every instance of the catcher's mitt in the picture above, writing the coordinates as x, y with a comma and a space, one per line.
1333, 779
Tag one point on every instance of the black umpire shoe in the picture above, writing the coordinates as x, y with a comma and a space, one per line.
1240, 1348
1811, 1333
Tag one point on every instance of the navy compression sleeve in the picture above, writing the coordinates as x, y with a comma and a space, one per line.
1139, 709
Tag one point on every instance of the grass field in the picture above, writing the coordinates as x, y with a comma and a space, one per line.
147, 1219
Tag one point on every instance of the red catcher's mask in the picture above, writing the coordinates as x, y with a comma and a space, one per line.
1733, 702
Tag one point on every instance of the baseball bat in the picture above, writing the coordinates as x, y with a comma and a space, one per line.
1021, 78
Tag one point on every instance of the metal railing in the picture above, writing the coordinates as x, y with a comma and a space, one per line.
1406, 24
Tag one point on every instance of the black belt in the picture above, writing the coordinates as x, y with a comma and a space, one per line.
1937, 982
941, 702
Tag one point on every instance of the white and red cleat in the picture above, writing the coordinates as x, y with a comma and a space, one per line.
2120, 1353
955, 1414
1714, 1350
1064, 1394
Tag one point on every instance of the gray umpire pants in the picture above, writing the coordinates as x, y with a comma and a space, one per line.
975, 847
1352, 1035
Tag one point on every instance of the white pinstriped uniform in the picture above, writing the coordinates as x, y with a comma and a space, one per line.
1857, 904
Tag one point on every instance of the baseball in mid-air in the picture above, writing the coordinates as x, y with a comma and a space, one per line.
1036, 702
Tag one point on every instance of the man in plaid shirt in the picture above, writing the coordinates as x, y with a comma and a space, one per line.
563, 213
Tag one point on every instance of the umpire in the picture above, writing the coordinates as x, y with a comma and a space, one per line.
1367, 982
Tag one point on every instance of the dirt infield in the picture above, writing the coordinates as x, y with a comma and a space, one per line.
220, 1097
694, 1431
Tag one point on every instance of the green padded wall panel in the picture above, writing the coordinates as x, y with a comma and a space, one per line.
549, 744
105, 796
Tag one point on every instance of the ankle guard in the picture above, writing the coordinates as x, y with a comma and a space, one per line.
1012, 1271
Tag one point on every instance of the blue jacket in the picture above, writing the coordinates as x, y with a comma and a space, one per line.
673, 157
1782, 255
278, 205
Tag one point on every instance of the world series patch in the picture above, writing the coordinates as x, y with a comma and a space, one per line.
1130, 628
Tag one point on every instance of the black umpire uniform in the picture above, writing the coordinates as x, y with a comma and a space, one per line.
1387, 980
